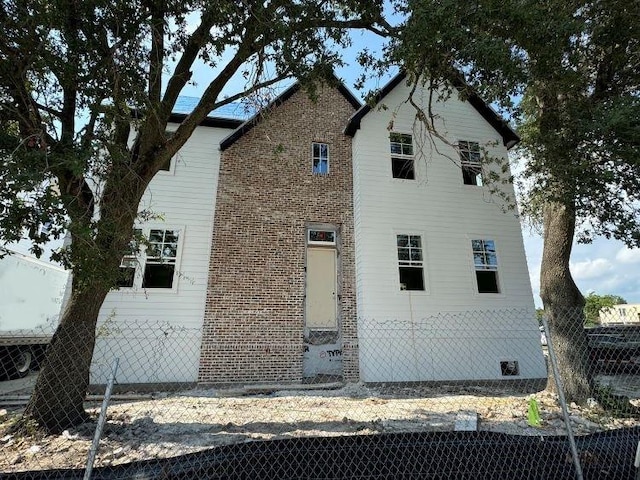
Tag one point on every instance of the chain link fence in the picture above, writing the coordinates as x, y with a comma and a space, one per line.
455, 395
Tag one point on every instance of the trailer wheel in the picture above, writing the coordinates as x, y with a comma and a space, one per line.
21, 360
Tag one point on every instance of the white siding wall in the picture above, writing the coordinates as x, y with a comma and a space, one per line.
156, 333
404, 335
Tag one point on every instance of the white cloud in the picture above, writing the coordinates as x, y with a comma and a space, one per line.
626, 255
589, 269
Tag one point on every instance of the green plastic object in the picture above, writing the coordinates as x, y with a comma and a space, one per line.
533, 413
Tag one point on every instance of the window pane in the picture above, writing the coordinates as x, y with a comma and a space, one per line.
170, 236
403, 254
156, 235
158, 275
316, 150
416, 255
471, 176
324, 150
153, 251
320, 166
414, 241
403, 240
402, 168
401, 144
411, 278
325, 236
170, 251
487, 281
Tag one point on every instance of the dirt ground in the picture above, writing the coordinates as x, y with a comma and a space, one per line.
174, 424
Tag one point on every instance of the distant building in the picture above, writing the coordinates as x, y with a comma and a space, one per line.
624, 313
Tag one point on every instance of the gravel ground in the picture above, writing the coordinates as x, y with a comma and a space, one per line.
174, 424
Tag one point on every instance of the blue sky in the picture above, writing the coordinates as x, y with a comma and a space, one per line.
605, 266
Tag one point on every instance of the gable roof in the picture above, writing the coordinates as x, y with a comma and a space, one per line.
288, 93
509, 136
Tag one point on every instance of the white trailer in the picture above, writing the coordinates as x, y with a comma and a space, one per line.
32, 295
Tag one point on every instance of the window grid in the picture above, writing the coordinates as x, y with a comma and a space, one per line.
320, 158
410, 250
163, 246
157, 262
470, 161
401, 147
470, 153
401, 144
486, 266
410, 262
484, 255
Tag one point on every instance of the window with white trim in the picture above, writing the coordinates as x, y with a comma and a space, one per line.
402, 162
410, 262
470, 162
156, 267
485, 262
161, 256
320, 158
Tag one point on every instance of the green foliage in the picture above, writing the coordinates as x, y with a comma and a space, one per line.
595, 303
105, 62
573, 64
120, 66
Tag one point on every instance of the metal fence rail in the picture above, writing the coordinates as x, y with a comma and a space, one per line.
454, 395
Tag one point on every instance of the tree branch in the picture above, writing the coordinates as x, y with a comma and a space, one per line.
156, 55
182, 72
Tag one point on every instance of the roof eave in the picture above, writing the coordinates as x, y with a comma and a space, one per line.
509, 137
217, 122
253, 121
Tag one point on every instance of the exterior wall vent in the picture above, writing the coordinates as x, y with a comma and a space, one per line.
509, 368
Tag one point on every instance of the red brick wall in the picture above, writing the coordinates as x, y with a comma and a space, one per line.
254, 317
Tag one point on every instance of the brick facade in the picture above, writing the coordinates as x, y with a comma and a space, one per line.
254, 324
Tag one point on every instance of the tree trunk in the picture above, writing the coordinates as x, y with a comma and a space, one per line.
563, 303
57, 402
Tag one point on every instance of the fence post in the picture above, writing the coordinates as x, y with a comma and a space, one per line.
101, 419
563, 401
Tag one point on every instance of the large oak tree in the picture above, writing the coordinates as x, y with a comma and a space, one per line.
78, 79
569, 73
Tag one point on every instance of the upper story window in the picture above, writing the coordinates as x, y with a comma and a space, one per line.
485, 261
320, 158
402, 166
410, 263
470, 162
